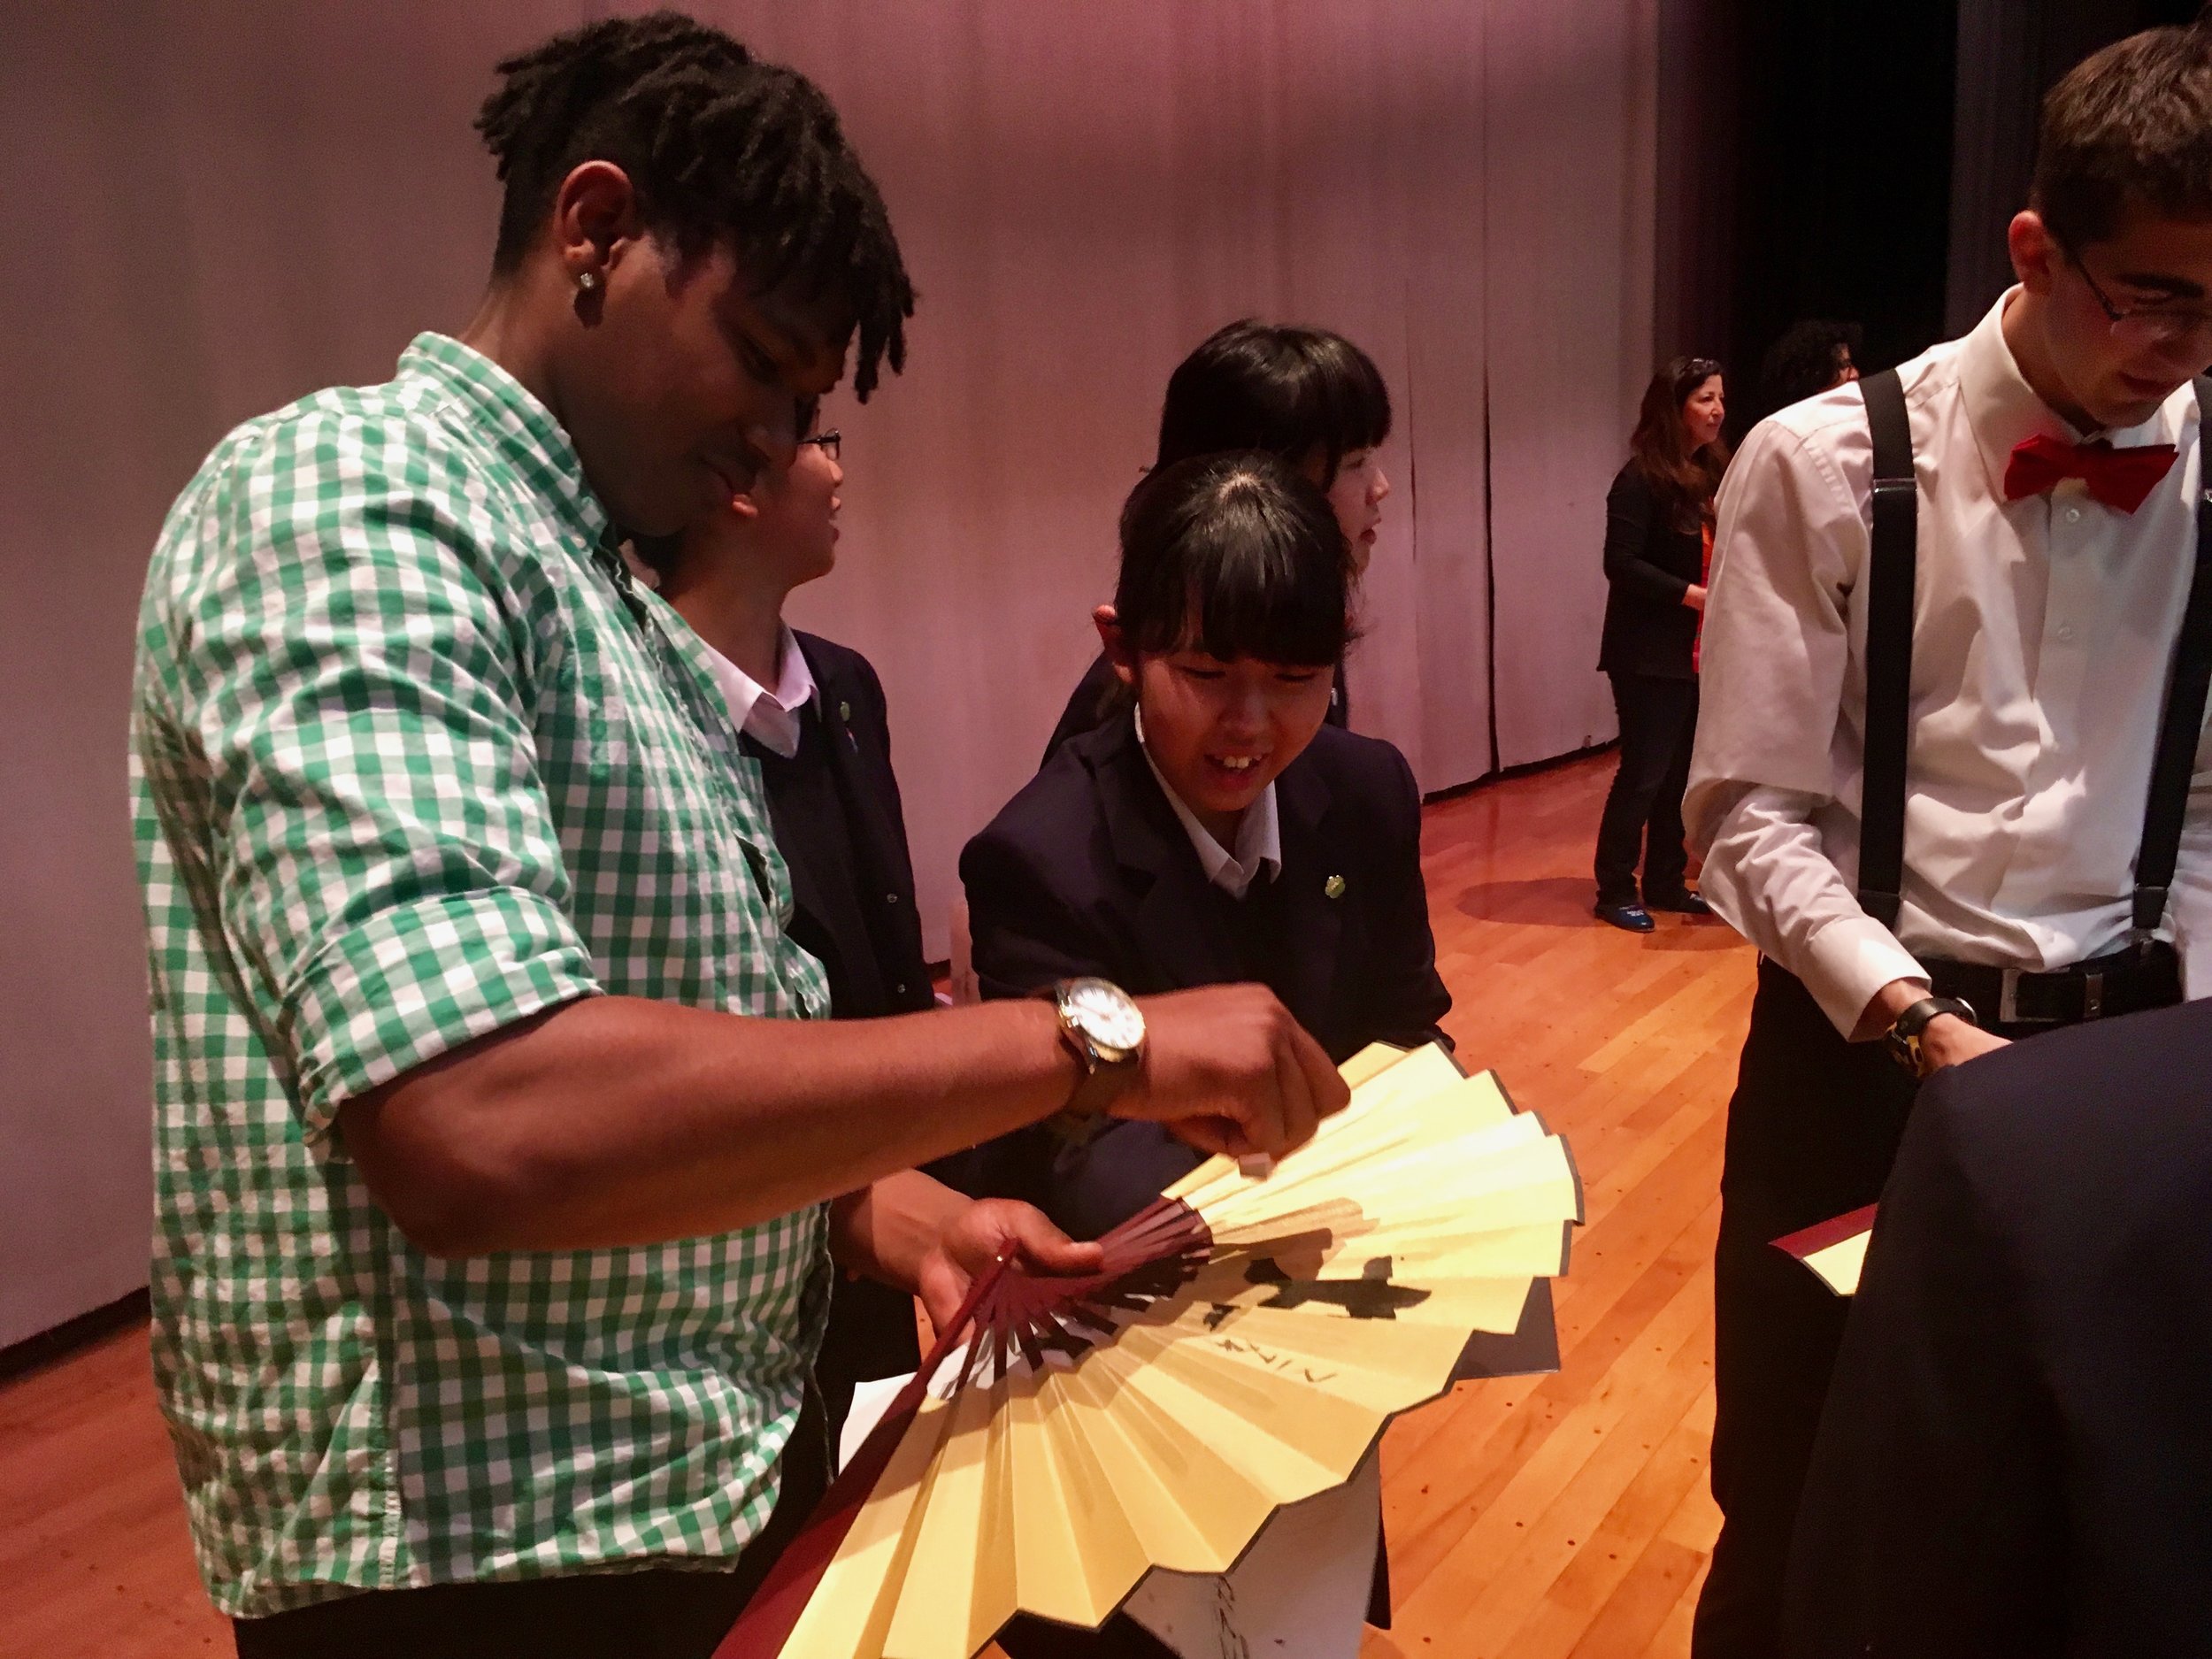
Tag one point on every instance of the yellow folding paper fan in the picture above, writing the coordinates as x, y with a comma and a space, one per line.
1242, 1349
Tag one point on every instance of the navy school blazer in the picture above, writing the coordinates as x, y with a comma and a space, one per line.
1087, 870
2014, 1462
870, 947
883, 970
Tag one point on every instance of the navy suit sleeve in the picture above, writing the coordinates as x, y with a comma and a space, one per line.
1933, 1525
879, 709
1024, 933
1406, 998
1631, 513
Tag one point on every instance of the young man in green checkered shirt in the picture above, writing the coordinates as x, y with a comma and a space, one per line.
501, 1160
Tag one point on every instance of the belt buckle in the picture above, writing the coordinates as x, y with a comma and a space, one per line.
2009, 999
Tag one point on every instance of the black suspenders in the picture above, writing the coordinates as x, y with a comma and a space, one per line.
1891, 575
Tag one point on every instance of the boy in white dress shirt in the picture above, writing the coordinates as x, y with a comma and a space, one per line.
2056, 478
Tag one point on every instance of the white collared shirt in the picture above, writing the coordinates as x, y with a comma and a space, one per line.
771, 718
1259, 835
2044, 631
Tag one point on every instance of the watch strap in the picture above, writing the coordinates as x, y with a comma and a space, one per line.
1915, 1019
1902, 1038
1098, 1087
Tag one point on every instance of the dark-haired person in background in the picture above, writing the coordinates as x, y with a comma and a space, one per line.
2013, 1464
1812, 356
810, 714
2054, 452
497, 1178
1308, 396
1658, 541
1217, 829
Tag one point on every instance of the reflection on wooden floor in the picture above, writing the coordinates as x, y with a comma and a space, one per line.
1528, 1519
1568, 1515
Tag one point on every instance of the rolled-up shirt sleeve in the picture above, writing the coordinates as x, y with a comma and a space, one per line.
1791, 539
385, 861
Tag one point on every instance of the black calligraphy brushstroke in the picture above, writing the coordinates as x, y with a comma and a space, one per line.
1370, 1297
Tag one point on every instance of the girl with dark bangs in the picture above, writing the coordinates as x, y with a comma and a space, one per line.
1308, 396
1216, 829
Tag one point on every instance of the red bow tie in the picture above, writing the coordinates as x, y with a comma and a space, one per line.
2118, 477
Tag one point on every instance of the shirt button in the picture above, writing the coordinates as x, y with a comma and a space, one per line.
2073, 515
2065, 630
902, 990
890, 898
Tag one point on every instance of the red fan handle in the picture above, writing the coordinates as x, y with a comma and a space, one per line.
772, 1614
1146, 1258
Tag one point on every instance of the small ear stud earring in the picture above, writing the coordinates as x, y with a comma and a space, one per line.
587, 281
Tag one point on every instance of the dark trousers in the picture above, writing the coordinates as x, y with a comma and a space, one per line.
659, 1613
871, 1335
1643, 811
1813, 1128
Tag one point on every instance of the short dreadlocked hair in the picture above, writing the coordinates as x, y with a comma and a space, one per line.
719, 147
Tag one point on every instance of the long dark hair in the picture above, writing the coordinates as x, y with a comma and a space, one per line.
1288, 390
1685, 480
1237, 554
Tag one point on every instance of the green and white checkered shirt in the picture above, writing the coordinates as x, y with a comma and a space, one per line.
413, 759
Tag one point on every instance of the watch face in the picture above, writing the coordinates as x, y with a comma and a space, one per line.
1104, 1014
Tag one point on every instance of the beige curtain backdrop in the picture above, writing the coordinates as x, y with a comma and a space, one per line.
225, 203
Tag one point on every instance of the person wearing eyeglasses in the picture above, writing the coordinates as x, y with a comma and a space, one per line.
810, 713
1949, 774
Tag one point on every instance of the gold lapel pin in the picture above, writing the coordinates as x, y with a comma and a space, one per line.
1333, 888
844, 710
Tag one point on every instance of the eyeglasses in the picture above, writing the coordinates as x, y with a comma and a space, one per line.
2155, 325
828, 441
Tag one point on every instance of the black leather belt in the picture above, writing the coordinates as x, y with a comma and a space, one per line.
2121, 982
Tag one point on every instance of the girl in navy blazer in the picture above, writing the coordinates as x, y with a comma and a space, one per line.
1216, 830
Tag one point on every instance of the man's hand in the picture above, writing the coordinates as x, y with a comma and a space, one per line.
1950, 1040
1693, 596
1946, 1041
1228, 1071
977, 1235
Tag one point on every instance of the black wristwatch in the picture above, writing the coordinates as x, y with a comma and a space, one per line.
1903, 1038
1103, 1026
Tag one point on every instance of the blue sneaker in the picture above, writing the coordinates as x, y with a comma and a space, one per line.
1682, 902
1631, 918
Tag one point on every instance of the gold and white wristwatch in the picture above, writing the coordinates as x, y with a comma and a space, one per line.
1103, 1028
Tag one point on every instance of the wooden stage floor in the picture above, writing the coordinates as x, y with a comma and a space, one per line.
1529, 1519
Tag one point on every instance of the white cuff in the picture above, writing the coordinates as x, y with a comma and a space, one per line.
1849, 960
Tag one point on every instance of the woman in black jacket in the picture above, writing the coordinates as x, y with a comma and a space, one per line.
1658, 543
